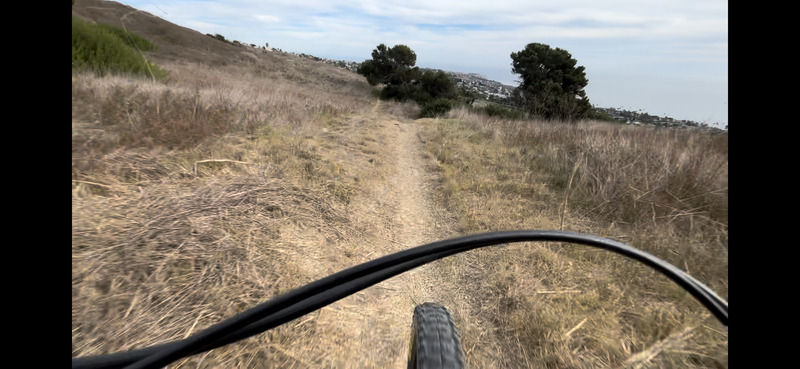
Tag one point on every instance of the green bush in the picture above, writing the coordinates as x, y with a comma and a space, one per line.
438, 84
405, 92
393, 92
495, 110
435, 108
600, 115
106, 49
133, 40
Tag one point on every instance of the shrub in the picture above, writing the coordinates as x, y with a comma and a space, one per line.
131, 39
107, 49
438, 84
405, 92
600, 115
435, 108
499, 111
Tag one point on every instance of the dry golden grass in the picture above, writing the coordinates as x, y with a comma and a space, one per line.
173, 260
246, 176
191, 201
568, 306
200, 198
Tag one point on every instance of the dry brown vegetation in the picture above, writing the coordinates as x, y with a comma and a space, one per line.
198, 198
246, 176
567, 306
195, 200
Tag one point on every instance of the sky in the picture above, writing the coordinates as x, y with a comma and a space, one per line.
665, 58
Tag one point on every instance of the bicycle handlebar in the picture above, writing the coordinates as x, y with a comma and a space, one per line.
325, 291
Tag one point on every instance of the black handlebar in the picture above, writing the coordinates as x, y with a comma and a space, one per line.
325, 291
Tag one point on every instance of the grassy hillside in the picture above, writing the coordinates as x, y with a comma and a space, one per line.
243, 174
189, 195
104, 49
570, 306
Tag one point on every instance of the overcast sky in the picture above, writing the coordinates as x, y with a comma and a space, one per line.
667, 58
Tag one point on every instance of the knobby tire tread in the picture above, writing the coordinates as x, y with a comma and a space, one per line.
435, 341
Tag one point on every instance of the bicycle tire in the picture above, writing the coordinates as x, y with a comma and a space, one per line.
435, 342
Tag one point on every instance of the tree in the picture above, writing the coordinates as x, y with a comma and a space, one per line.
434, 91
438, 84
391, 66
552, 85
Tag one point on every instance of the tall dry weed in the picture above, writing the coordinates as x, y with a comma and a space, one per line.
560, 305
184, 193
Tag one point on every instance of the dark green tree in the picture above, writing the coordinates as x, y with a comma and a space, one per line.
369, 69
401, 56
390, 66
438, 84
433, 90
552, 84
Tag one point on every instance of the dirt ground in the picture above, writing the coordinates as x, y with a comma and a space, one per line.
391, 212
371, 328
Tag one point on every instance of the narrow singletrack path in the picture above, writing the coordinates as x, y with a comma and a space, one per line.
375, 323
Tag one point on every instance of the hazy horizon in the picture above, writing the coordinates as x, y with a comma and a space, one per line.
667, 59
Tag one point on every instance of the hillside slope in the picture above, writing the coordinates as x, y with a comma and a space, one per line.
249, 173
174, 42
311, 175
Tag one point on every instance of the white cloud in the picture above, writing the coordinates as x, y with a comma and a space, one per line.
266, 18
620, 37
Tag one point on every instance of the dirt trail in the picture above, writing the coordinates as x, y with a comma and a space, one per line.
402, 216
